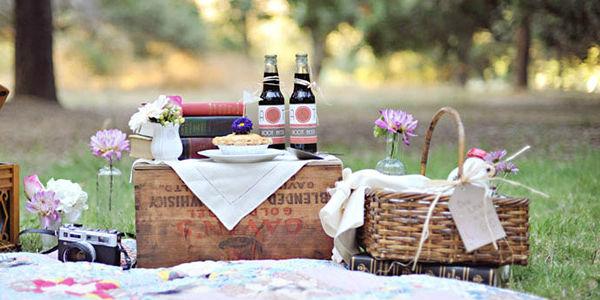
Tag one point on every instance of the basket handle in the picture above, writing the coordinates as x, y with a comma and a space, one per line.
461, 138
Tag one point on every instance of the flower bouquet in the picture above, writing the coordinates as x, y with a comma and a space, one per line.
166, 116
60, 200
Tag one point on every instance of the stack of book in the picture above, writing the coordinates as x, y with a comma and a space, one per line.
203, 122
489, 275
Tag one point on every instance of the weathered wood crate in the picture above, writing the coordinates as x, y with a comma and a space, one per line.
173, 226
9, 206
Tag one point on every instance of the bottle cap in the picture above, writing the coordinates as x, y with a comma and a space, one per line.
476, 152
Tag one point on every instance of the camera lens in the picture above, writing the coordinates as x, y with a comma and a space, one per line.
79, 251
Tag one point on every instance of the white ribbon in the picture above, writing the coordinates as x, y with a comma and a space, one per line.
475, 171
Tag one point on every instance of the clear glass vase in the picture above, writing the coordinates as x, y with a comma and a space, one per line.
106, 209
392, 163
47, 240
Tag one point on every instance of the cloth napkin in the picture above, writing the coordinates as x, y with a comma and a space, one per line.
230, 190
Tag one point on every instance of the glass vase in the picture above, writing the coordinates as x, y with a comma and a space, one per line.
392, 163
47, 240
107, 207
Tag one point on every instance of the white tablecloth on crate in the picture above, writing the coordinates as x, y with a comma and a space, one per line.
233, 190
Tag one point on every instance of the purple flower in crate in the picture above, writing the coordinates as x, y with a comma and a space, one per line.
109, 144
396, 121
241, 125
45, 204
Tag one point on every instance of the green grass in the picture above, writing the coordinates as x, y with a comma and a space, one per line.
565, 254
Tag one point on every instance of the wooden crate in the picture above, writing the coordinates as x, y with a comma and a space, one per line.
9, 206
174, 227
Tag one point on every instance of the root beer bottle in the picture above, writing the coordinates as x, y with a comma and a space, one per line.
271, 109
303, 109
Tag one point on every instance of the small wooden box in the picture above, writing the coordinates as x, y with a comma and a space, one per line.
9, 206
173, 226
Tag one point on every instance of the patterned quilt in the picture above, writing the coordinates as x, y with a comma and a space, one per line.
35, 276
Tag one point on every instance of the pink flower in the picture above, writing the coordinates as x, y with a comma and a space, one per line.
176, 100
397, 121
45, 204
109, 144
32, 185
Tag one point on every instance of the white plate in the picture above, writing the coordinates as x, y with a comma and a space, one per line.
218, 156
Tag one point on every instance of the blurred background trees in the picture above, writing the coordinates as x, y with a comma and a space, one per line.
132, 44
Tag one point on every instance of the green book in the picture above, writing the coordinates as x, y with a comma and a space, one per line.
206, 126
489, 275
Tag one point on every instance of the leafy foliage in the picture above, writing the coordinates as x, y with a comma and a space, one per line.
175, 22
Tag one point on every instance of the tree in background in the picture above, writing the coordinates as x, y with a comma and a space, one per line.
442, 28
319, 18
34, 67
175, 22
240, 11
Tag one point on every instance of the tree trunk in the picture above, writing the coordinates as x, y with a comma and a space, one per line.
319, 54
523, 42
463, 68
34, 68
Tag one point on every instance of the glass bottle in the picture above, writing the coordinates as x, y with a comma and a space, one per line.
271, 107
303, 109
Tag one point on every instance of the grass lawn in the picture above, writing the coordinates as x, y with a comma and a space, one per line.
564, 260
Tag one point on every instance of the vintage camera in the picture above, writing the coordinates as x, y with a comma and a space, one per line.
77, 243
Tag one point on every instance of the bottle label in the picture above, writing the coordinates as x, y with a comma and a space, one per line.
303, 123
271, 122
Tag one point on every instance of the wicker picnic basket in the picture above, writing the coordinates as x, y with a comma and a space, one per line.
394, 222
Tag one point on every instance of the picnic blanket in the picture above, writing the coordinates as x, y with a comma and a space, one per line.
35, 276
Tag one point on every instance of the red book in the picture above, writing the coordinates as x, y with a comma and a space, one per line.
191, 147
200, 109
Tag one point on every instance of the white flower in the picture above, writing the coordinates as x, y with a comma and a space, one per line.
138, 120
73, 200
146, 112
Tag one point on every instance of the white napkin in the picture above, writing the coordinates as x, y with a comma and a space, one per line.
232, 191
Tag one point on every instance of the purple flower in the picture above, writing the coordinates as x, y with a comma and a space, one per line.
397, 121
109, 144
494, 157
506, 167
45, 204
241, 125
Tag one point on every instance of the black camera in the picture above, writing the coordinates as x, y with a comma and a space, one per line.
77, 243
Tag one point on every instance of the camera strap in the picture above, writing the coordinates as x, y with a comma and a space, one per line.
41, 231
128, 263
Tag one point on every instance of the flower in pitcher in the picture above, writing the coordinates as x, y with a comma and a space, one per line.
109, 144
45, 204
32, 185
396, 121
164, 110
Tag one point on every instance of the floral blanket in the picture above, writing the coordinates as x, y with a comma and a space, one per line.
35, 276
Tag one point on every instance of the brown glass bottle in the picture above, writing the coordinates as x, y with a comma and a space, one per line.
303, 109
271, 109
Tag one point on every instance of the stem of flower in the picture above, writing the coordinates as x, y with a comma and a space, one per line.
110, 186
